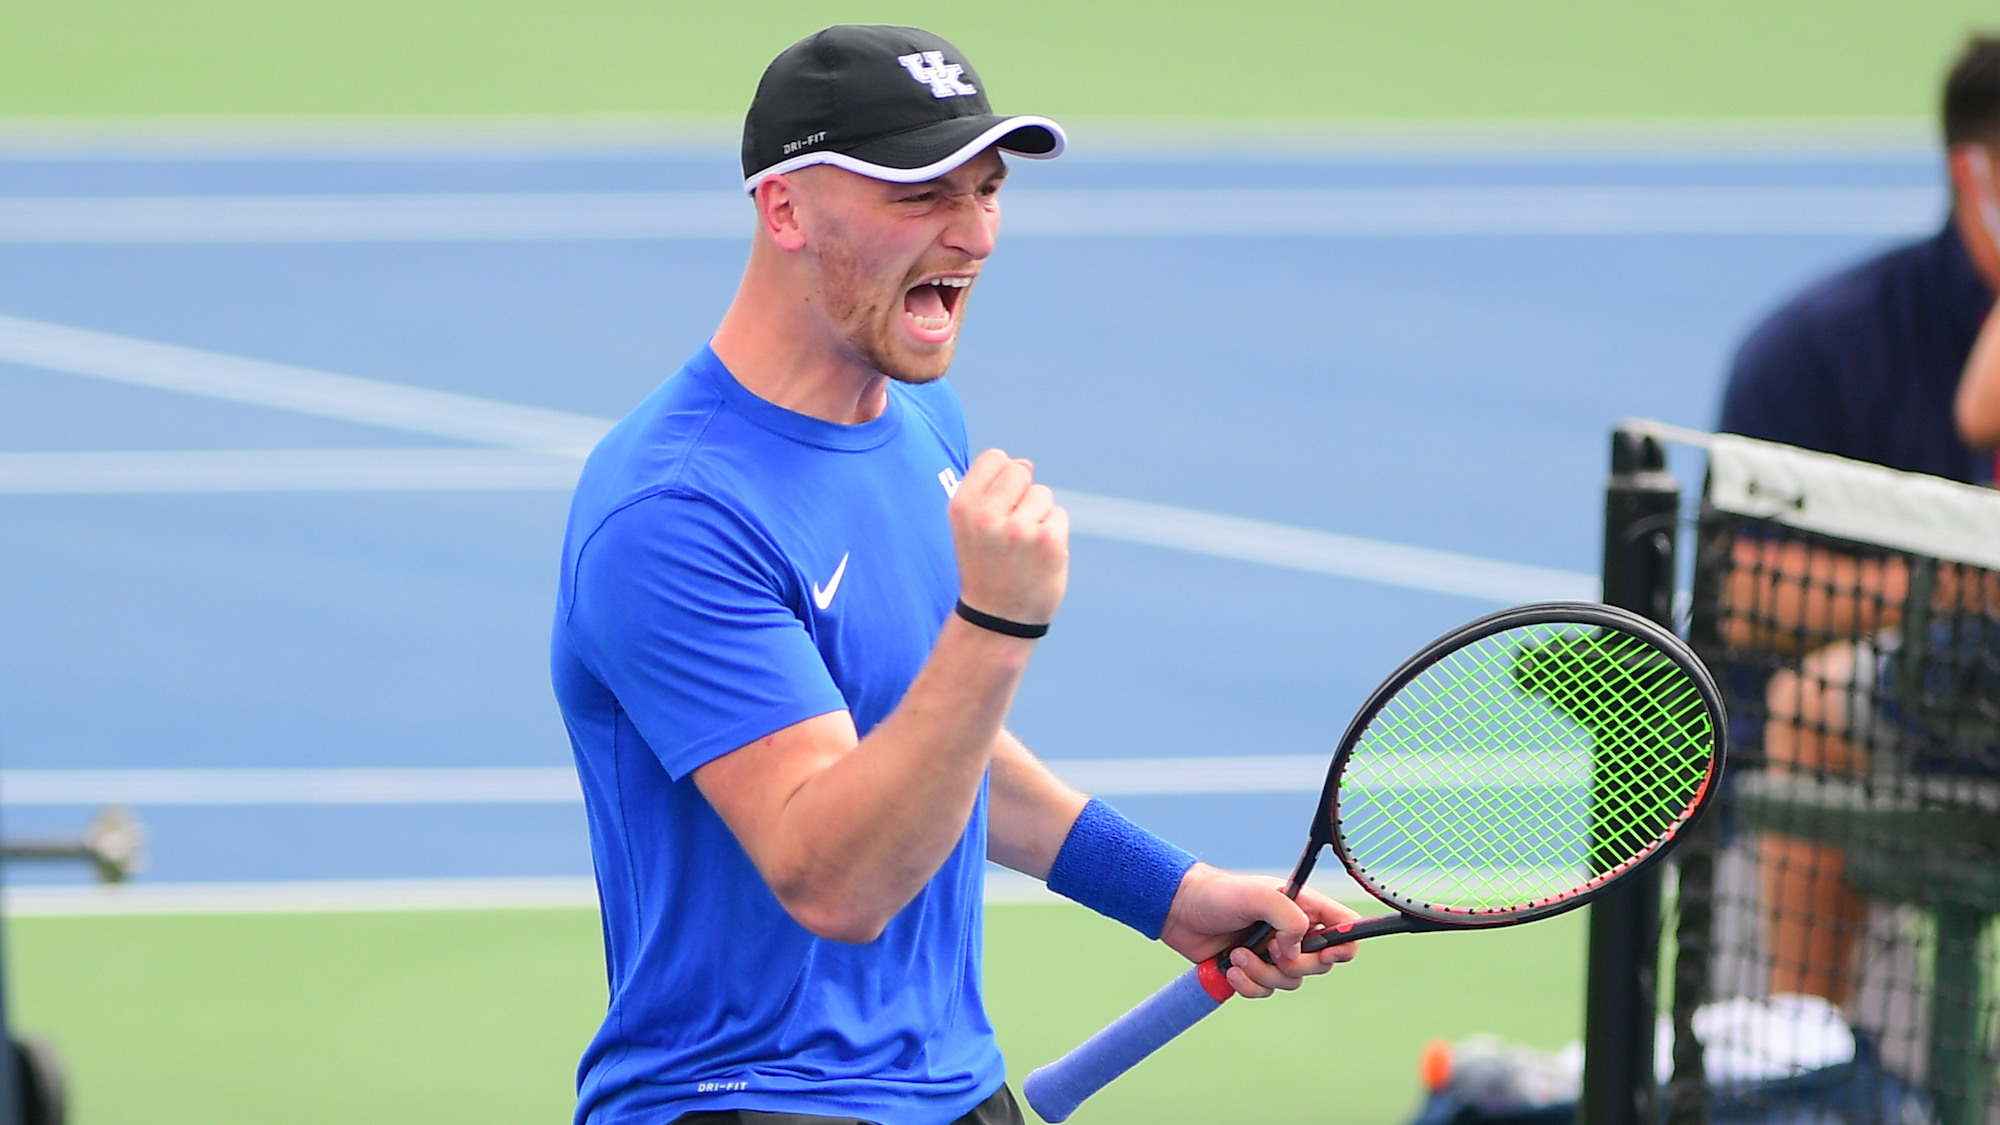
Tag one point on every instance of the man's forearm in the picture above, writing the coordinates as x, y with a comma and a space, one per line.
1789, 597
1031, 811
1086, 850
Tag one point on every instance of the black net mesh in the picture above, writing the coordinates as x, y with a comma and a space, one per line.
1831, 944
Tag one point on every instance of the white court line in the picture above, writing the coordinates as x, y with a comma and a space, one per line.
1249, 773
1031, 213
285, 470
317, 896
77, 351
1462, 141
391, 786
339, 896
1012, 887
558, 784
1323, 552
1286, 140
1107, 517
413, 137
1418, 211
515, 785
549, 433
432, 217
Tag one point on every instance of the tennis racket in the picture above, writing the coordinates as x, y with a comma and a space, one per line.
1518, 767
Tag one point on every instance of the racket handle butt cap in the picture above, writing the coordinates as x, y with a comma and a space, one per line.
1214, 976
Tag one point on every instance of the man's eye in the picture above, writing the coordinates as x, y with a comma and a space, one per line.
920, 197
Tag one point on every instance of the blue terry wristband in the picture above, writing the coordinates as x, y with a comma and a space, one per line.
1119, 869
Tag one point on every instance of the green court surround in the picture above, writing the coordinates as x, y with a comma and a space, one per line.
1478, 59
480, 1015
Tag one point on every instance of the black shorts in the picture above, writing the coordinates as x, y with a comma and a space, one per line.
1000, 1109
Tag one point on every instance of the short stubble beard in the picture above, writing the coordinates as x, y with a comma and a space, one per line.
871, 323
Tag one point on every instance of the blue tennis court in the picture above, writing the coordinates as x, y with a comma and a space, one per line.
1393, 371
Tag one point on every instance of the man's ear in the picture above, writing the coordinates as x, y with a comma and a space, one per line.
778, 201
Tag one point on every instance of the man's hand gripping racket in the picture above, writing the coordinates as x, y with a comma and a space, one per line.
1516, 768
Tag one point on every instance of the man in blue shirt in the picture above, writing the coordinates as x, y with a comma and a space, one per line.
1865, 364
793, 613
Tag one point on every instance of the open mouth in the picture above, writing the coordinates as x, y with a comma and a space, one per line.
931, 307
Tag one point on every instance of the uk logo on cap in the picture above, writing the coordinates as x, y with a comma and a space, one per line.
942, 77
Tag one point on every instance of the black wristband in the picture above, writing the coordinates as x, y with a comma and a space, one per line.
1001, 624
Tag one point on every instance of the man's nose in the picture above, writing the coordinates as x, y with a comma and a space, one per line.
975, 224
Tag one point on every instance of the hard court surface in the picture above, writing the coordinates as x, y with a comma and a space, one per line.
1441, 375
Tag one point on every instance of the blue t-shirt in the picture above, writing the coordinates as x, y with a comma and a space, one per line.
1865, 364
732, 568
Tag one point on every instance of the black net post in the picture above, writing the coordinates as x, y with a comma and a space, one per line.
10, 1077
1641, 518
1687, 1092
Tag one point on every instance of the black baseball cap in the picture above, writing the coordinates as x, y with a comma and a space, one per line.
893, 103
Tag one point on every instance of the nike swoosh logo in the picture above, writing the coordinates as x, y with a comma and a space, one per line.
824, 598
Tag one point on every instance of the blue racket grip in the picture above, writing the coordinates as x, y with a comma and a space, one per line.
1058, 1088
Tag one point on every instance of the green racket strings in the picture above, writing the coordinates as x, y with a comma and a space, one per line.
1520, 768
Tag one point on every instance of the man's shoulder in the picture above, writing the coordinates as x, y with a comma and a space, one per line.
1849, 318
1857, 298
936, 403
678, 434
657, 451
1862, 362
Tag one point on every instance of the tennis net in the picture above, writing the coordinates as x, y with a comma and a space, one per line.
1830, 941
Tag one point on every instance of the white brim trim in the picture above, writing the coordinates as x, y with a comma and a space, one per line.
930, 171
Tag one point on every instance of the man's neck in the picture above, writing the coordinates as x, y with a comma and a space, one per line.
795, 360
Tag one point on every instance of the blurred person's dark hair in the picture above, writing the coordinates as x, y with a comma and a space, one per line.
1972, 95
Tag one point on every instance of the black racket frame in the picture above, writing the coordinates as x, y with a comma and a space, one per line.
1324, 829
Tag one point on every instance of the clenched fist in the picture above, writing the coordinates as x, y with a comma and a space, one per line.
1012, 540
